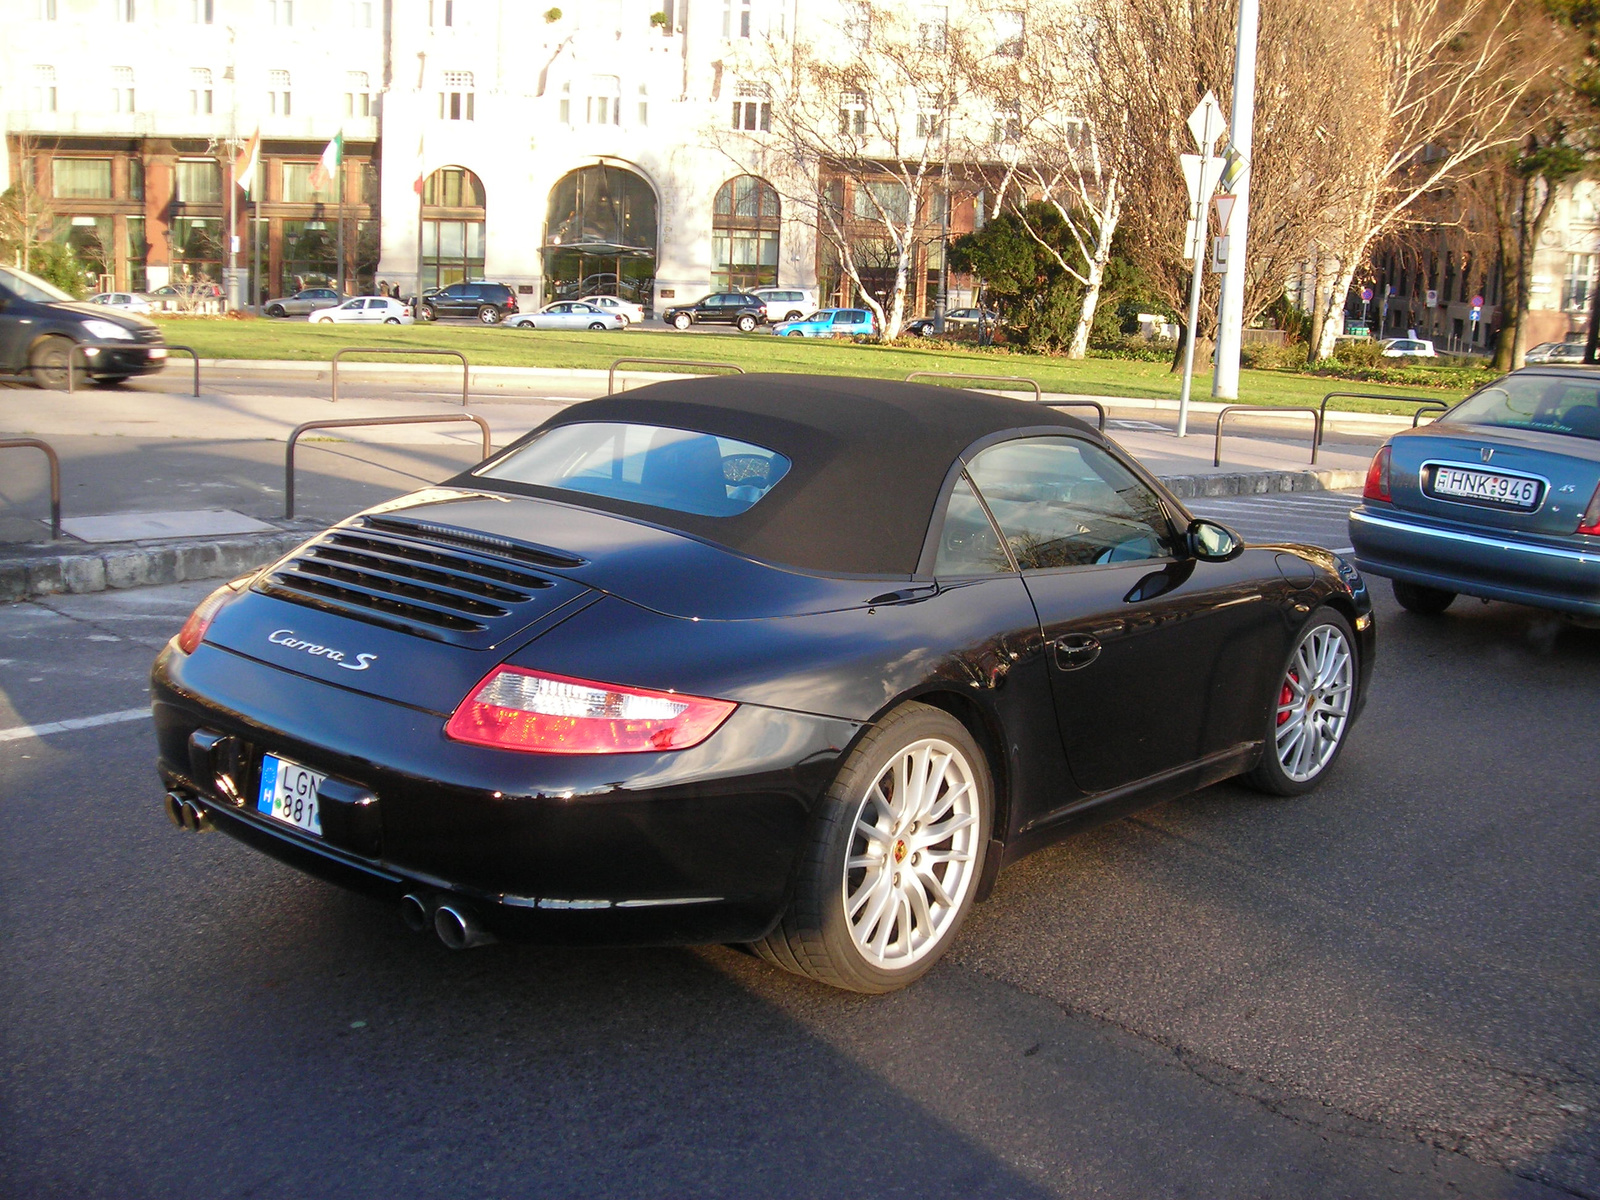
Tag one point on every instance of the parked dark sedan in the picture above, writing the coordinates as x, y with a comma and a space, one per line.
1499, 498
727, 308
797, 662
41, 328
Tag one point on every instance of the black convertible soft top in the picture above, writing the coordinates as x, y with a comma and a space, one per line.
868, 456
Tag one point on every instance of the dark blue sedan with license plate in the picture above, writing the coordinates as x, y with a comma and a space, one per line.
1500, 498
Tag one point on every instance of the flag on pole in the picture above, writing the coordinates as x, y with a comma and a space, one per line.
323, 174
247, 162
417, 186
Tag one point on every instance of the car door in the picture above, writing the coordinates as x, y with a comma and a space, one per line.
1156, 659
17, 326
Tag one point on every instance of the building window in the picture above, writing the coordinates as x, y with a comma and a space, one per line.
456, 102
853, 114
604, 106
644, 105
122, 89
752, 107
744, 235
736, 17
566, 103
300, 185
136, 179
857, 23
878, 200
124, 10
44, 89
1578, 286
361, 14
453, 227
933, 20
358, 96
199, 181
930, 116
200, 92
442, 12
1010, 32
203, 12
676, 13
1007, 123
282, 11
47, 10
278, 101
81, 178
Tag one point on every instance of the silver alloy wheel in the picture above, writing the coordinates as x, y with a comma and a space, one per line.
1314, 702
912, 852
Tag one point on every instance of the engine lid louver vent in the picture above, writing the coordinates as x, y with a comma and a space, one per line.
432, 582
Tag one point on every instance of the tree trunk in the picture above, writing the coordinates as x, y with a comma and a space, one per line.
1527, 245
1333, 318
1110, 214
1318, 304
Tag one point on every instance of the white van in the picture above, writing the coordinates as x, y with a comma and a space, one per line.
786, 304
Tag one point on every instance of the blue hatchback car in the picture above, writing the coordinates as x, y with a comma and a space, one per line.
830, 322
1499, 498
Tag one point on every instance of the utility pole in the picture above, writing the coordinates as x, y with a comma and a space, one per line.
1236, 179
1200, 173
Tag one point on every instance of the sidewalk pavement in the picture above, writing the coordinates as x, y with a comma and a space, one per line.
160, 486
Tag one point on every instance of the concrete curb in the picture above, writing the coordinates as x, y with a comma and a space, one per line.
49, 572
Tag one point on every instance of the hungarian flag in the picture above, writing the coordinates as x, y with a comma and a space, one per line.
324, 173
247, 162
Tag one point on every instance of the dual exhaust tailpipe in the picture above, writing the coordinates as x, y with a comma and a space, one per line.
456, 927
183, 812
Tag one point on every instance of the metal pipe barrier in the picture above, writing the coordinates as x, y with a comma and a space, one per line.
338, 354
55, 476
86, 347
611, 377
1038, 395
1316, 433
288, 461
1423, 404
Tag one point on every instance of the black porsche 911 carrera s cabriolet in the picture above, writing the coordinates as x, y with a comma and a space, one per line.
797, 662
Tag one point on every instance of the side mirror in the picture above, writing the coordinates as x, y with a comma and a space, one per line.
1213, 542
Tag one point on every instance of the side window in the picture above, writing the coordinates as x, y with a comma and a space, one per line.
967, 542
1062, 502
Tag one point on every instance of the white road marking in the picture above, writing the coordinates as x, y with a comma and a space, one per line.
18, 732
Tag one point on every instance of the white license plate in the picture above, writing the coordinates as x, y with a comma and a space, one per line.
1481, 485
158, 352
289, 794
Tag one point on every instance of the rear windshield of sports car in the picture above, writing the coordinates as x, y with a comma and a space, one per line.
1552, 403
676, 469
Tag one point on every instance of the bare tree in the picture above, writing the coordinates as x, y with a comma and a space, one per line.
26, 216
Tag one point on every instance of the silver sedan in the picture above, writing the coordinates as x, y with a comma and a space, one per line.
568, 314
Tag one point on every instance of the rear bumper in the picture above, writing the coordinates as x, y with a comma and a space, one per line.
690, 847
1475, 562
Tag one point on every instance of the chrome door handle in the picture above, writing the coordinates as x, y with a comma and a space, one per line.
1075, 651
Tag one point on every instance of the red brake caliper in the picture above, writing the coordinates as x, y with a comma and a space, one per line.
1286, 698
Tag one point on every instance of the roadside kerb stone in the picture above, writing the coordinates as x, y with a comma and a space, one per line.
43, 572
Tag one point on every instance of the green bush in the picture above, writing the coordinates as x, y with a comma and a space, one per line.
1362, 353
57, 264
1265, 356
1131, 346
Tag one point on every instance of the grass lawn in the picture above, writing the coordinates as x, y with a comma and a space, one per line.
497, 346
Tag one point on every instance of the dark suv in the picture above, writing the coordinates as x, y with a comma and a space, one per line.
489, 302
729, 308
40, 325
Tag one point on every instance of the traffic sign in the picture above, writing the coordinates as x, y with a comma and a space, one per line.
1432, 298
1219, 255
1201, 176
1477, 302
1206, 122
1224, 205
1366, 295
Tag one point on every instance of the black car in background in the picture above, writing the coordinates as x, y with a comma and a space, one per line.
727, 308
798, 662
490, 303
40, 325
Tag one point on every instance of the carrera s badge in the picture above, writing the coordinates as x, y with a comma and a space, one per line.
287, 639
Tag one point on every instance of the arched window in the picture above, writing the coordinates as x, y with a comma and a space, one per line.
453, 225
744, 234
600, 235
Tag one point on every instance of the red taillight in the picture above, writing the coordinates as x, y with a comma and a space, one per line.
1377, 487
518, 709
1590, 522
194, 629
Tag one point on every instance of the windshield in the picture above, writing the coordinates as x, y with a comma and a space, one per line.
646, 464
30, 287
1552, 403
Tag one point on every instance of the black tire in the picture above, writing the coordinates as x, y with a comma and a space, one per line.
682, 321
794, 333
391, 320
426, 313
746, 323
794, 315
1423, 600
816, 936
489, 315
276, 310
50, 360
1323, 730
597, 325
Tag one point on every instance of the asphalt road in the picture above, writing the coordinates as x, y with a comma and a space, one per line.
1385, 989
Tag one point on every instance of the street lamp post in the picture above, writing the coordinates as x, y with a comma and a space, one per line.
1230, 310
